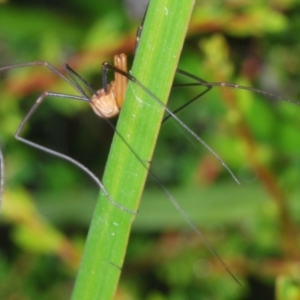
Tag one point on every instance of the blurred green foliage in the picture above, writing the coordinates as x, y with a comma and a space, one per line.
48, 203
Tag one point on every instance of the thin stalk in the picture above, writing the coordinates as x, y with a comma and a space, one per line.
154, 66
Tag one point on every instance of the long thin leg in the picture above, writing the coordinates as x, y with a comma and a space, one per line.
201, 82
106, 66
208, 88
84, 97
182, 212
9, 67
139, 30
210, 85
48, 66
58, 154
76, 78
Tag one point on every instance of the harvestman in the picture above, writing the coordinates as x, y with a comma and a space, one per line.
107, 103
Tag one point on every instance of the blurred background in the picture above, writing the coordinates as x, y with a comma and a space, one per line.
48, 203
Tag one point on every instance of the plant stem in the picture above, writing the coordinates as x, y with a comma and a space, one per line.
139, 122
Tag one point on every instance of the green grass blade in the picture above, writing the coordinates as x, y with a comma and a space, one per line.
154, 66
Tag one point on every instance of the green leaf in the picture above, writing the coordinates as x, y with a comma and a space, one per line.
154, 66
